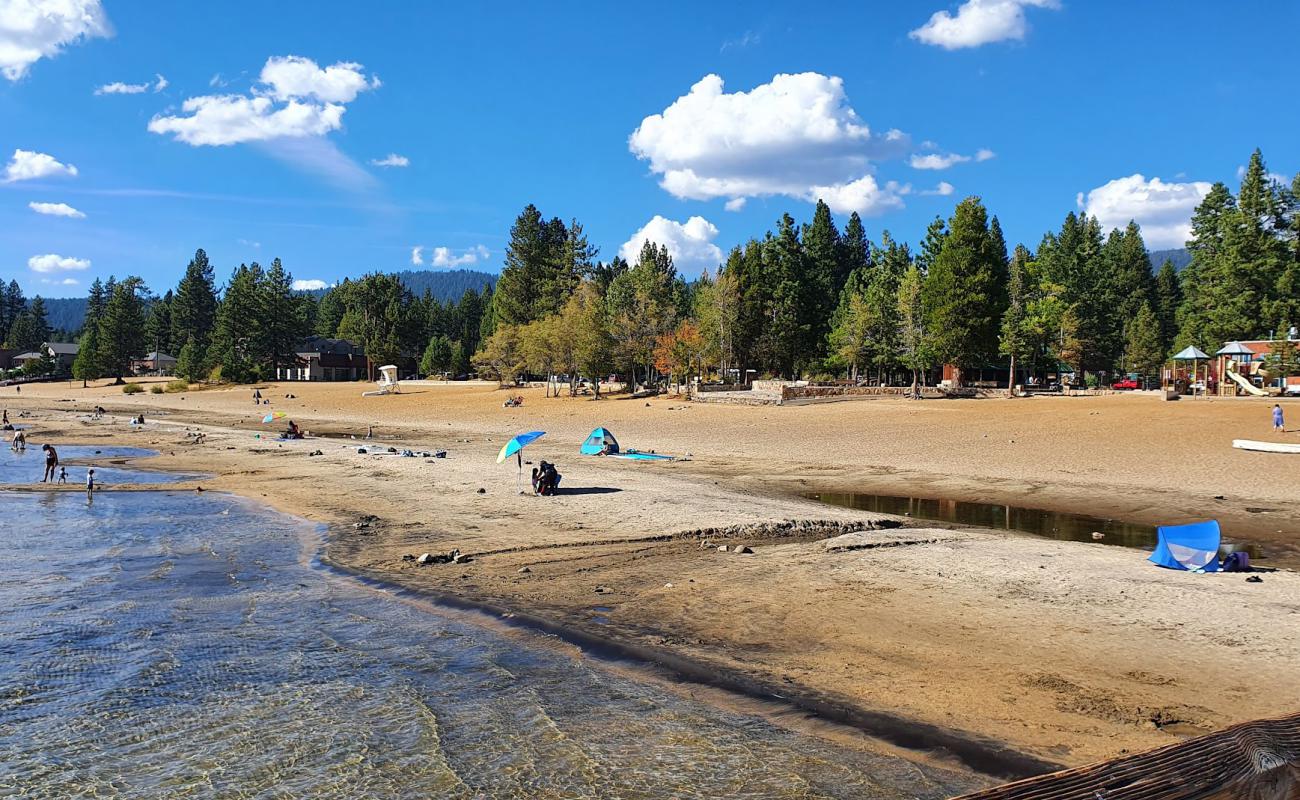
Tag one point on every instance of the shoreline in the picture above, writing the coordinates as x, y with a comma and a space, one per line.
960, 632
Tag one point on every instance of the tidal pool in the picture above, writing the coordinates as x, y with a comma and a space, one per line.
19, 467
162, 644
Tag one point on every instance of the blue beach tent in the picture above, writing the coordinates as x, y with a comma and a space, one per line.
598, 441
1193, 547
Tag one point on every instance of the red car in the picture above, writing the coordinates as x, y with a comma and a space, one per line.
1126, 383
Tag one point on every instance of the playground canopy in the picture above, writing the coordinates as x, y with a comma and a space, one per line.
1194, 546
1234, 349
1190, 353
598, 441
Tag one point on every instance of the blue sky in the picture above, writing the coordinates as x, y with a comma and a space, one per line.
494, 106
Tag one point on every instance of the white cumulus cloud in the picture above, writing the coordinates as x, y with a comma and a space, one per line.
946, 160
979, 22
308, 285
295, 98
690, 243
27, 165
417, 255
792, 136
1164, 210
118, 87
391, 160
446, 257
34, 29
56, 263
56, 210
942, 190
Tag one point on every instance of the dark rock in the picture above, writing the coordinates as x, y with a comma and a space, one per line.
481, 490
408, 557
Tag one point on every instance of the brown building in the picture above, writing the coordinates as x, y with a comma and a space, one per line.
322, 359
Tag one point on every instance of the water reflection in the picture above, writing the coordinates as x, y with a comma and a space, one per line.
160, 644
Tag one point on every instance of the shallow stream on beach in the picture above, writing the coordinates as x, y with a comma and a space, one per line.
167, 644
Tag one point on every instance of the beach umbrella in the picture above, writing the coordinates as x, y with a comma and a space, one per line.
515, 447
517, 444
273, 416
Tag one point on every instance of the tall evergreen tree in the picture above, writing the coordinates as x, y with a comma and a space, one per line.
121, 331
284, 321
194, 306
30, 329
1168, 295
1143, 352
238, 331
789, 326
963, 297
158, 325
1015, 341
916, 351
824, 258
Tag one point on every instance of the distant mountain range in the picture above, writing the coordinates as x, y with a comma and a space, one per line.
1179, 256
68, 313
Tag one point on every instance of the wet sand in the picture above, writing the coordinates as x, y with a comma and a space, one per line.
1064, 651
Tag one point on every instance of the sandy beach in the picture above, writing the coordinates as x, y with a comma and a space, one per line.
1066, 652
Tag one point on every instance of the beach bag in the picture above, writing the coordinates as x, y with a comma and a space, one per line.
1237, 561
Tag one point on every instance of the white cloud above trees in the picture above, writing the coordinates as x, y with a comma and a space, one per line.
26, 165
979, 22
795, 136
293, 98
446, 257
1163, 210
308, 285
34, 29
391, 160
56, 210
940, 161
51, 262
117, 87
689, 243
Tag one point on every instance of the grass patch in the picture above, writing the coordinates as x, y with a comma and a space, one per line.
177, 386
132, 388
156, 389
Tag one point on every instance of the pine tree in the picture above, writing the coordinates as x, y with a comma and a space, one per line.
329, 312
963, 297
29, 329
544, 262
191, 362
1144, 353
855, 254
915, 350
1168, 297
788, 329
121, 331
13, 304
932, 245
85, 367
437, 356
158, 325
283, 323
593, 344
1015, 341
194, 306
824, 258
238, 328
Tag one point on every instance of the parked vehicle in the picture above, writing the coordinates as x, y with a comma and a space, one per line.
1126, 383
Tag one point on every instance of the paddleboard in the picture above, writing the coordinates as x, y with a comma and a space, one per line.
1265, 447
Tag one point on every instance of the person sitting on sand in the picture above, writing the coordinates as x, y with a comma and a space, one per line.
1278, 427
548, 480
51, 461
293, 432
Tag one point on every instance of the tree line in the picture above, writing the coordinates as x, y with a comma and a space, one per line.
803, 300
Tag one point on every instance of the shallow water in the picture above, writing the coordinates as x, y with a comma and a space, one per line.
1052, 524
19, 467
161, 644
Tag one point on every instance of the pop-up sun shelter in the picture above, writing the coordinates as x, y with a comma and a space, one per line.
600, 442
1194, 546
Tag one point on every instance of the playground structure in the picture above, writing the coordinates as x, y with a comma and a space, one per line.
1239, 368
388, 383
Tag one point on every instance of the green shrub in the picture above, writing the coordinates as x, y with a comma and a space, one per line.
156, 389
132, 388
176, 386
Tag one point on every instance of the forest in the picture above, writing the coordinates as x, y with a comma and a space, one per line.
803, 300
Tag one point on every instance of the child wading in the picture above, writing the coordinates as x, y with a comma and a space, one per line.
90, 482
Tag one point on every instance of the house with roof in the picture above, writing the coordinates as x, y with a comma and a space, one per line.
155, 363
318, 358
63, 353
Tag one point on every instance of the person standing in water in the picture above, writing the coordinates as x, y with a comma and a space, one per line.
90, 482
63, 475
51, 462
1277, 418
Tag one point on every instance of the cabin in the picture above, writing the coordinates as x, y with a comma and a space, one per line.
318, 358
155, 363
63, 353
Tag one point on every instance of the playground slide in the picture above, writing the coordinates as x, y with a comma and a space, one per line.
1247, 385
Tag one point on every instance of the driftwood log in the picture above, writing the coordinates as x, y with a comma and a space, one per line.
1257, 760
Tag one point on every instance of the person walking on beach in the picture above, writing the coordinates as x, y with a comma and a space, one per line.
257, 397
90, 482
1277, 418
